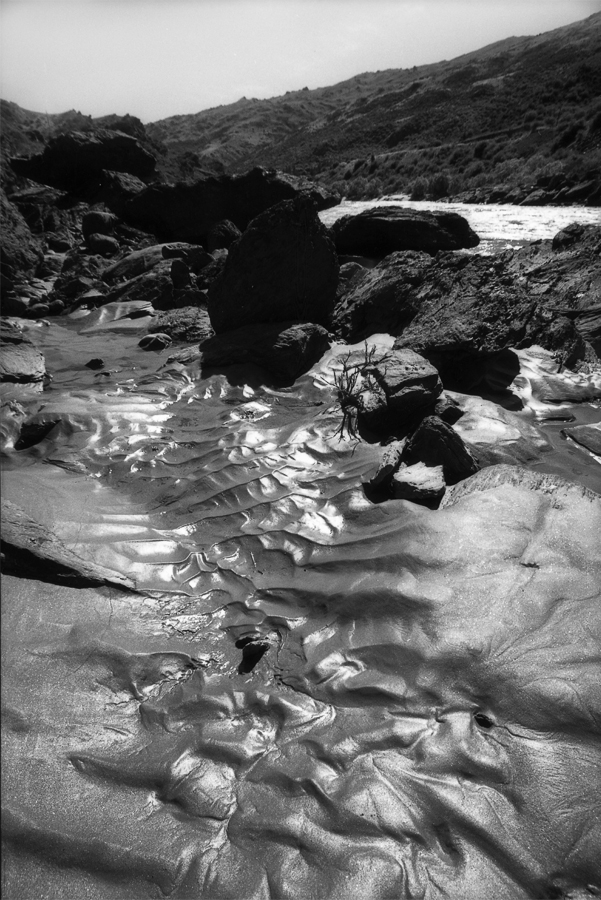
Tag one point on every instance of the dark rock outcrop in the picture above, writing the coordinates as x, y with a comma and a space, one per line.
187, 212
20, 361
283, 268
382, 230
285, 349
71, 161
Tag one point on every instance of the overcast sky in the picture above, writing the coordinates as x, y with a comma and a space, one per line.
156, 58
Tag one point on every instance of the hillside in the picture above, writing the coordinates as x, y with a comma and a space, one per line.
509, 113
493, 124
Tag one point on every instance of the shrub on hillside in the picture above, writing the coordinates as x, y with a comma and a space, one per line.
418, 189
438, 186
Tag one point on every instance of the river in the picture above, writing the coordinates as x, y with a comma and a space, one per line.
499, 226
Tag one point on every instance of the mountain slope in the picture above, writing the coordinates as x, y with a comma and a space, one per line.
511, 110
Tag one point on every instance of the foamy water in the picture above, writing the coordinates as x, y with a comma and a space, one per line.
497, 225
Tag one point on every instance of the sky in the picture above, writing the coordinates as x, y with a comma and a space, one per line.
158, 58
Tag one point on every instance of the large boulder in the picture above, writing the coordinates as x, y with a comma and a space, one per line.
382, 230
283, 268
285, 349
71, 161
456, 311
187, 212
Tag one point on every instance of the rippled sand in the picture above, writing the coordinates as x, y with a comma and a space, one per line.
308, 696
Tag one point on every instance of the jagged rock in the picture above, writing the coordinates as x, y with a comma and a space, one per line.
189, 324
588, 436
154, 342
98, 222
382, 230
102, 244
283, 268
407, 383
285, 349
419, 483
70, 161
20, 360
222, 235
436, 444
187, 212
31, 550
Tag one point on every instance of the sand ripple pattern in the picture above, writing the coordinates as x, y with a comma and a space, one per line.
310, 696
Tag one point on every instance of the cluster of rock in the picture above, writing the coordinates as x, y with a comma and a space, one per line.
463, 312
557, 190
243, 267
397, 397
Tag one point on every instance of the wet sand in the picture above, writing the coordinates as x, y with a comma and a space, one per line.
307, 695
